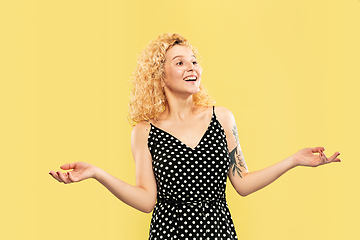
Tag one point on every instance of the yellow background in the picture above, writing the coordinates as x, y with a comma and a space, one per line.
288, 70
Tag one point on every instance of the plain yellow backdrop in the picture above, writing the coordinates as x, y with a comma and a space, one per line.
288, 70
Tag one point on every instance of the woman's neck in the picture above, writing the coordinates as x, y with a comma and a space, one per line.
178, 108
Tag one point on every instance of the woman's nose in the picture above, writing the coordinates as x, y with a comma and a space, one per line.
191, 67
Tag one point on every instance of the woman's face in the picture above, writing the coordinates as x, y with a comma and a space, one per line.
182, 71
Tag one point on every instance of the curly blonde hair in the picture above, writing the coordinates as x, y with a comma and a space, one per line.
147, 98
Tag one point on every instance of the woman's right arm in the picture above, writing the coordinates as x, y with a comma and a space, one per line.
142, 196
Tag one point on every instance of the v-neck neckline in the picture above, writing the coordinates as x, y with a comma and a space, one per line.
199, 142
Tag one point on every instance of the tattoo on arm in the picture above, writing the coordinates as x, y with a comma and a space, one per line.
235, 132
237, 161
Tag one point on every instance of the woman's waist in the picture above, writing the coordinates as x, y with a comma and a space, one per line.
192, 201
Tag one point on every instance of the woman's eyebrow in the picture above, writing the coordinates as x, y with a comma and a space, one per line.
183, 56
177, 56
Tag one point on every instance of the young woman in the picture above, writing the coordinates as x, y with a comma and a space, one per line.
184, 149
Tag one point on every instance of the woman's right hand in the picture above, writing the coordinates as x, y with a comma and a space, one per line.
81, 171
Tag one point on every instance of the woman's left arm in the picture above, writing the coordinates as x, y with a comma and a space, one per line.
246, 182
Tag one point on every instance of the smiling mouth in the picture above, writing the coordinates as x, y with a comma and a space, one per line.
191, 79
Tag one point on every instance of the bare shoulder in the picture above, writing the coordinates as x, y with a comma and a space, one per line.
225, 117
222, 111
141, 126
140, 132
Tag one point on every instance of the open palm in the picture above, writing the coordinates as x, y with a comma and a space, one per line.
81, 171
314, 157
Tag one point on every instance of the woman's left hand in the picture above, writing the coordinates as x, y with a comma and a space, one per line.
313, 157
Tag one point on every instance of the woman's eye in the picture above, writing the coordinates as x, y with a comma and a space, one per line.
179, 63
195, 62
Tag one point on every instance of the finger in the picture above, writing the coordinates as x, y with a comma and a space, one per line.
317, 149
55, 175
334, 157
63, 177
68, 166
323, 157
326, 160
71, 177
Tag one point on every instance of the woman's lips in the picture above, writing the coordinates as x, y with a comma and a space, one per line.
191, 78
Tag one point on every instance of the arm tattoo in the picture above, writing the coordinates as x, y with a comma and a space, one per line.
237, 160
235, 132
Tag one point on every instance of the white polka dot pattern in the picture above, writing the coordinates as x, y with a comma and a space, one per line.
191, 186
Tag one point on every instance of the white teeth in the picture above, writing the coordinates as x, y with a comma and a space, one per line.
190, 79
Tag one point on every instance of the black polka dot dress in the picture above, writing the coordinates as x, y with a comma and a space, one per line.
191, 186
